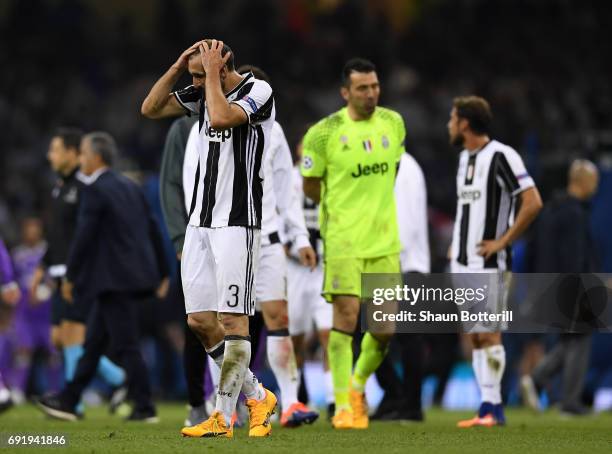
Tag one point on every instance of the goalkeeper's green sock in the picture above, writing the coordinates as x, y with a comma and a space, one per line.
340, 354
372, 354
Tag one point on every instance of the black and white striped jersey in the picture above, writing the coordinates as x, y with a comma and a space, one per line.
488, 181
229, 174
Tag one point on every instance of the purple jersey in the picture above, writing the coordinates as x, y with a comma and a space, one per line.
26, 260
32, 322
6, 268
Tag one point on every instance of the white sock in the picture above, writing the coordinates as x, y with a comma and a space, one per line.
250, 386
281, 358
494, 363
329, 388
477, 364
215, 375
235, 364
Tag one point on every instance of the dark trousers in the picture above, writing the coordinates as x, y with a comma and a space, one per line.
571, 357
404, 394
113, 321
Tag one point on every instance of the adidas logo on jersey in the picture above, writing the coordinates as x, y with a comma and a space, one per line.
377, 168
215, 135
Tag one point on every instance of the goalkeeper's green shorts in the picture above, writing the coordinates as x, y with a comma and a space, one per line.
343, 275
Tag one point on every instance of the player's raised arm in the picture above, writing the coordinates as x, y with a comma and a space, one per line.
160, 102
222, 114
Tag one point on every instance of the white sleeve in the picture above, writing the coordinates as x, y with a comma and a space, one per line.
190, 165
290, 210
411, 200
190, 98
257, 102
512, 172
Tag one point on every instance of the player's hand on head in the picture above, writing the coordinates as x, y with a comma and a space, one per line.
487, 248
308, 257
183, 60
212, 61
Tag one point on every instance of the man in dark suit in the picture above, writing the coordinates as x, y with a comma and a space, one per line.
116, 257
563, 244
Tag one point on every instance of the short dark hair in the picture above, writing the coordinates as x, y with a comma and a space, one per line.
230, 64
360, 65
256, 70
476, 111
103, 145
70, 136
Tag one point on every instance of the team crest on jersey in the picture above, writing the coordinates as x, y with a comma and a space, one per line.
367, 145
344, 141
307, 163
71, 196
385, 142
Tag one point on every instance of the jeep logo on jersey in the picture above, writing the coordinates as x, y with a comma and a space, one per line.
381, 168
469, 195
215, 135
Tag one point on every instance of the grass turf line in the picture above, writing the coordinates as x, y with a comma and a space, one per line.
526, 433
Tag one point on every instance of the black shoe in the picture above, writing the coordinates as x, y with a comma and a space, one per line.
331, 411
52, 405
575, 410
411, 416
386, 410
391, 415
148, 416
117, 398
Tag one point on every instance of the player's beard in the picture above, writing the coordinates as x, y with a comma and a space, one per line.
457, 141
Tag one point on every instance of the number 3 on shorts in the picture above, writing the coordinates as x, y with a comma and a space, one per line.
236, 290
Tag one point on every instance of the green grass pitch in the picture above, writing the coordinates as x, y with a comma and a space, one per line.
525, 433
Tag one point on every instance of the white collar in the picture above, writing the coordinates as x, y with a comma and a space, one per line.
91, 179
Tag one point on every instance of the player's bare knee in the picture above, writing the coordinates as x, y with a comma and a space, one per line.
345, 318
202, 324
489, 339
235, 324
275, 314
382, 338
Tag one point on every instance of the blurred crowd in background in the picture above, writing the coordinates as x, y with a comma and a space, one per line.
89, 63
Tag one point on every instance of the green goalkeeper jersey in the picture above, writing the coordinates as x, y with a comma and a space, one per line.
357, 162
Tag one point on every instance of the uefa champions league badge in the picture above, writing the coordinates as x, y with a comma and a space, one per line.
307, 163
385, 142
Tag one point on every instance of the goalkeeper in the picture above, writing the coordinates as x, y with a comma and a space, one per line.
349, 166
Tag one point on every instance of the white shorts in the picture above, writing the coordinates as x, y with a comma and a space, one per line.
306, 305
218, 269
496, 284
271, 274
